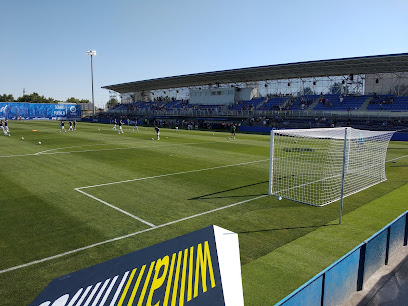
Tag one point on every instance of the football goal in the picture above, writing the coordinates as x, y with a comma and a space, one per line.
321, 166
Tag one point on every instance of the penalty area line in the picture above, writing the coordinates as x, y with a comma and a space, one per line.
390, 160
125, 236
170, 174
114, 207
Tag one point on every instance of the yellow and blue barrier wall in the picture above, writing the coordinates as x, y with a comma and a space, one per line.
335, 284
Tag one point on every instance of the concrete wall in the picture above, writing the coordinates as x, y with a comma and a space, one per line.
212, 96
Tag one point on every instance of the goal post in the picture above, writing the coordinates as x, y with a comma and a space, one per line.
321, 166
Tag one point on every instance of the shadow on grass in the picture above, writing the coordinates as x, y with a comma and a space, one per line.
212, 195
286, 228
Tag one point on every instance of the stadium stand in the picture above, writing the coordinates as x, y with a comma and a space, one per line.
334, 103
388, 103
274, 103
302, 102
182, 105
247, 105
172, 104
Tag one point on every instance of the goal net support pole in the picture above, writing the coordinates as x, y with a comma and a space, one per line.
345, 153
271, 164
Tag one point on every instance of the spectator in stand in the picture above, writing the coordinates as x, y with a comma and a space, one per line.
341, 98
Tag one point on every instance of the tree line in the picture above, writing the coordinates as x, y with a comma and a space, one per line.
36, 98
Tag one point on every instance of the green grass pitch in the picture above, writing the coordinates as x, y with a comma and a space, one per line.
64, 202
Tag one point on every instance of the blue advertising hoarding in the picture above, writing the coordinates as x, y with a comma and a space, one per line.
39, 111
199, 268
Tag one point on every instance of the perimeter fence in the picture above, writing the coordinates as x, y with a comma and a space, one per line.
336, 284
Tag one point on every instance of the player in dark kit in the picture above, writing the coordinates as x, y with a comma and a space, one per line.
233, 129
156, 128
120, 127
63, 126
135, 127
5, 128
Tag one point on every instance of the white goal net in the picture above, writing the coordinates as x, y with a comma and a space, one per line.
307, 165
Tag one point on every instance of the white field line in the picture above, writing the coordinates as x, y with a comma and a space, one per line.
114, 207
126, 236
145, 178
170, 174
62, 148
129, 148
135, 233
19, 155
390, 160
46, 152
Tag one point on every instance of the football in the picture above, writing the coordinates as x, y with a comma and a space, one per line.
39, 142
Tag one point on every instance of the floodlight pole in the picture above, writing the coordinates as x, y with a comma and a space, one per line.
92, 53
343, 174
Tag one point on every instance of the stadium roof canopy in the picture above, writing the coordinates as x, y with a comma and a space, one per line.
344, 66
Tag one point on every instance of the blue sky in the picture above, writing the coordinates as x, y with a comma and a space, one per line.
44, 42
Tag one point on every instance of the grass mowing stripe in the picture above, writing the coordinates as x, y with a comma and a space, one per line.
126, 236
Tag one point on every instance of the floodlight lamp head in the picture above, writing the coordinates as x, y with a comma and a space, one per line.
92, 52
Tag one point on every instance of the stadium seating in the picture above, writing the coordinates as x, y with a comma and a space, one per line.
172, 104
333, 103
273, 103
388, 103
247, 105
307, 100
182, 105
